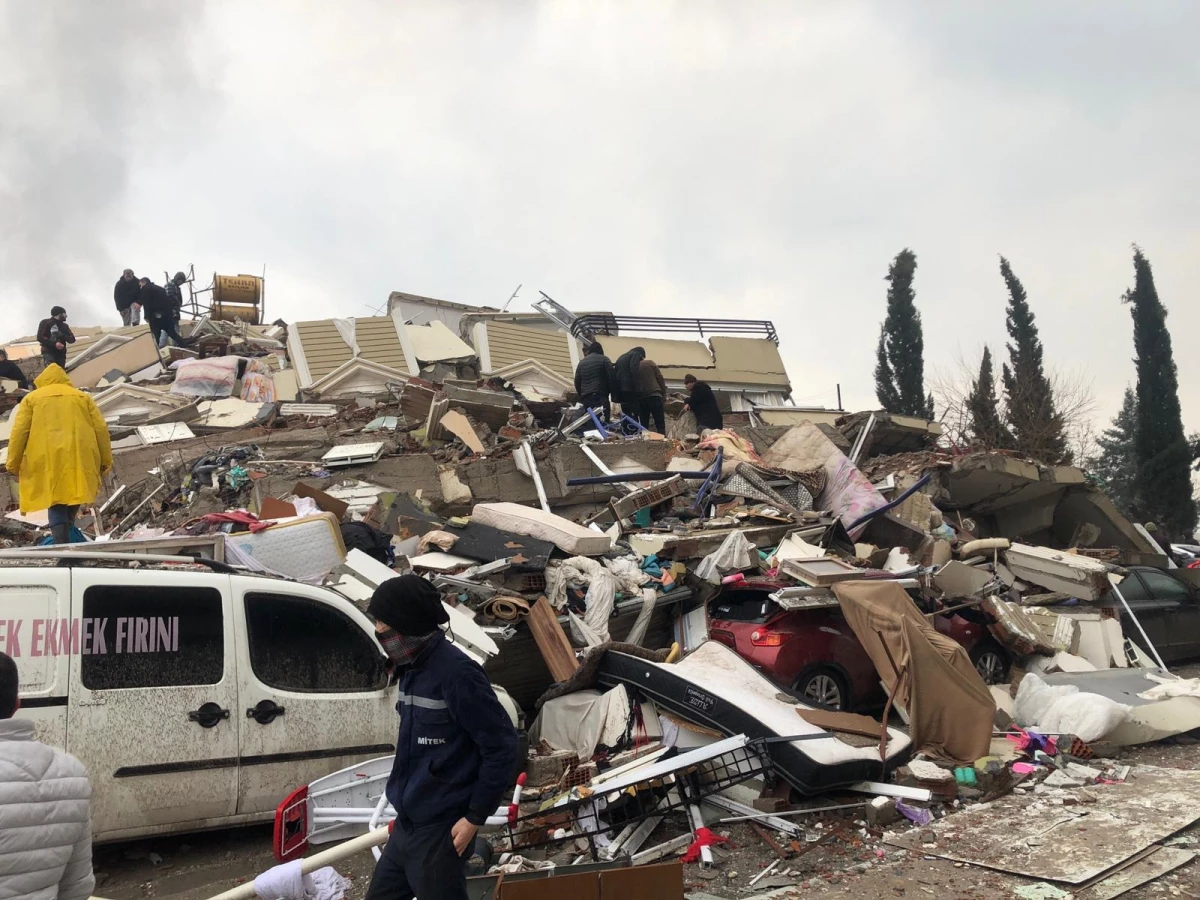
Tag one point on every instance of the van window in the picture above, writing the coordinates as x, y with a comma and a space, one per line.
297, 644
141, 637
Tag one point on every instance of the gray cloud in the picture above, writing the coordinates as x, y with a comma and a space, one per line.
86, 88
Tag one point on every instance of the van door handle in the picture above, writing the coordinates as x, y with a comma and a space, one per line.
208, 715
265, 712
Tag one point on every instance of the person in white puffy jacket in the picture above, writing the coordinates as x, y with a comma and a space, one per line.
45, 810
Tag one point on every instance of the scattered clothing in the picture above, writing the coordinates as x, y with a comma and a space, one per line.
703, 404
287, 882
45, 819
59, 445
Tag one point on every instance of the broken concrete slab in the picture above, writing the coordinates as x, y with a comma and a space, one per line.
458, 425
1078, 576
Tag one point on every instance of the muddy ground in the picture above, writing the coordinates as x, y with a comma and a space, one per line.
854, 863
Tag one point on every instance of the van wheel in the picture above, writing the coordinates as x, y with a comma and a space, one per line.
991, 662
823, 688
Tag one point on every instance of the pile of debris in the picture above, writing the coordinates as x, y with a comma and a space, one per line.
595, 553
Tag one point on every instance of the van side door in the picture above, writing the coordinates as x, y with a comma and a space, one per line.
152, 705
314, 695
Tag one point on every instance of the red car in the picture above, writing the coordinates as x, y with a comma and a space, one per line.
814, 654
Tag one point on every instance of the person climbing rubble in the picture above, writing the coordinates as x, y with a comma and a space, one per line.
455, 752
59, 449
594, 379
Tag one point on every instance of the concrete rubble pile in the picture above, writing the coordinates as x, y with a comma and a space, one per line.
599, 556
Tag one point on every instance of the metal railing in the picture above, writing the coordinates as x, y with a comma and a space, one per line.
606, 323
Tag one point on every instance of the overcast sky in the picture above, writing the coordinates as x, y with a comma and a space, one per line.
760, 160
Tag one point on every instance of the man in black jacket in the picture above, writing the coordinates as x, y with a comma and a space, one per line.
594, 379
126, 296
703, 403
160, 314
53, 335
10, 371
455, 753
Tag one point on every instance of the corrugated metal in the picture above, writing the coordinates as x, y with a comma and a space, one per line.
508, 344
325, 350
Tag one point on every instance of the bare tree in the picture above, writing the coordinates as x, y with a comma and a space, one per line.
953, 383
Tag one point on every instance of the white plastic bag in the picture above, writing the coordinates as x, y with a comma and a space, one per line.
1064, 709
733, 555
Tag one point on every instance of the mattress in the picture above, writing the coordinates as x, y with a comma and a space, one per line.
715, 688
306, 549
566, 535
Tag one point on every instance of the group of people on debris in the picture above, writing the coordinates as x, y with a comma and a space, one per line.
163, 305
637, 384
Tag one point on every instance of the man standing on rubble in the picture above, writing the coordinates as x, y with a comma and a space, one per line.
59, 449
455, 754
625, 390
594, 379
45, 809
126, 296
175, 297
703, 403
653, 394
53, 335
160, 315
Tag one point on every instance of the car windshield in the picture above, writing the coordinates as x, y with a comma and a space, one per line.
742, 606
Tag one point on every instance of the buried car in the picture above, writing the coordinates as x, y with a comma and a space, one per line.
812, 652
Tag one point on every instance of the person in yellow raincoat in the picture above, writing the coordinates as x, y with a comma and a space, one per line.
59, 448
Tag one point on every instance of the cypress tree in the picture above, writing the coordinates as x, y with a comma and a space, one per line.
1037, 427
900, 355
1163, 483
1116, 463
983, 408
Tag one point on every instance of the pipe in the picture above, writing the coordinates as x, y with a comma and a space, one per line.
310, 864
862, 520
618, 477
535, 475
1158, 659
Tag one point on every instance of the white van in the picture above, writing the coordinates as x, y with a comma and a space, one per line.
197, 696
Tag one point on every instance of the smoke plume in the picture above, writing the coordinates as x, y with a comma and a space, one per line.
86, 89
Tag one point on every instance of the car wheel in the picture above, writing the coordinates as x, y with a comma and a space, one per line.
991, 662
823, 688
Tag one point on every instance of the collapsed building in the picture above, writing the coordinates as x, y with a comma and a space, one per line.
446, 440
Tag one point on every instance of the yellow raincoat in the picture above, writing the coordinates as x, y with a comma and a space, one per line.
59, 444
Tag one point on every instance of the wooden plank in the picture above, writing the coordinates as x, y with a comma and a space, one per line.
552, 642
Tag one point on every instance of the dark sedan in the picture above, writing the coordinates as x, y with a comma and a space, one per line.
1167, 607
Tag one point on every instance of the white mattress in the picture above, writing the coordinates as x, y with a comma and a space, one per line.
306, 548
715, 668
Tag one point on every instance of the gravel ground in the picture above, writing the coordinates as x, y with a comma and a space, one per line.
854, 863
